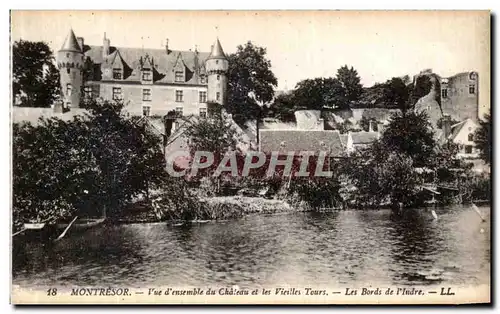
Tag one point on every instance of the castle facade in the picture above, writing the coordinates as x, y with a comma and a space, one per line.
150, 82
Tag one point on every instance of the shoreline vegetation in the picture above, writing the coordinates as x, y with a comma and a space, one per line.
223, 208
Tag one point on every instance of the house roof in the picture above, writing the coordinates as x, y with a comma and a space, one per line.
70, 43
363, 137
456, 128
33, 114
301, 140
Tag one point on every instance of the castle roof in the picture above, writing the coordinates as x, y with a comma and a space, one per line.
163, 62
301, 140
70, 43
217, 52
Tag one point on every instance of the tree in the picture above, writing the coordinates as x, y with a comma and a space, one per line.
396, 93
483, 138
282, 108
412, 135
310, 94
35, 81
251, 82
350, 83
101, 159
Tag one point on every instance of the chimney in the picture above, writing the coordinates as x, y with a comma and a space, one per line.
166, 47
58, 106
80, 42
105, 47
446, 126
380, 128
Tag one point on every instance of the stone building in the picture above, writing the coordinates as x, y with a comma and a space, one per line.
149, 81
456, 96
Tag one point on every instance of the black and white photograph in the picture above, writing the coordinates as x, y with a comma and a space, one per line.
250, 157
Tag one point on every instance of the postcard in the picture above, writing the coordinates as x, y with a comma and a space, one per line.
250, 157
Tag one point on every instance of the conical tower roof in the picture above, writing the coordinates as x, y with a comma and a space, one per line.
71, 44
217, 52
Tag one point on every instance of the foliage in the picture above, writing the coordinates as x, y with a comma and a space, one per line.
282, 108
351, 88
100, 159
314, 94
35, 78
339, 91
251, 82
482, 137
215, 134
412, 135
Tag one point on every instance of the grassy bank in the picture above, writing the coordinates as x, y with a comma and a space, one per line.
203, 208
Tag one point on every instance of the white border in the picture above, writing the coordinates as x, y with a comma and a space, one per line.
193, 4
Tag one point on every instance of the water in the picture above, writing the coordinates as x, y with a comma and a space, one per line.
351, 248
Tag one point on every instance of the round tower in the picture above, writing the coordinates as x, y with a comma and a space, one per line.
70, 64
217, 67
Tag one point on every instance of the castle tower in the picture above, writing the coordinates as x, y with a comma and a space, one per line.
217, 67
70, 64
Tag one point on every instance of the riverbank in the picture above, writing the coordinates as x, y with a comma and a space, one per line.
229, 207
214, 208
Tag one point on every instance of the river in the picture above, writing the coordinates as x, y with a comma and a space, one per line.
345, 248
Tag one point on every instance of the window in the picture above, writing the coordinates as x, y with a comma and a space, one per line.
468, 149
471, 137
117, 74
216, 61
203, 79
218, 77
203, 97
178, 96
178, 112
146, 111
87, 92
203, 112
68, 89
472, 89
444, 93
179, 76
146, 75
218, 96
117, 93
146, 95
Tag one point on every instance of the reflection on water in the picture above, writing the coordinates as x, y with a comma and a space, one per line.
335, 249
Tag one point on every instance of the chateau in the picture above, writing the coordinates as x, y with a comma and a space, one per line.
148, 81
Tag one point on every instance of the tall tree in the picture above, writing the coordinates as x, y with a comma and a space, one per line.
282, 108
251, 82
351, 86
483, 138
410, 134
35, 81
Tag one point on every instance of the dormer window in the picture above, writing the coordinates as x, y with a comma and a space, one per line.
203, 79
179, 76
117, 74
147, 75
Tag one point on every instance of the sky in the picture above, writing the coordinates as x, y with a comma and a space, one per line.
300, 44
